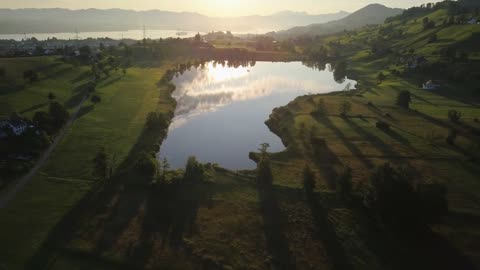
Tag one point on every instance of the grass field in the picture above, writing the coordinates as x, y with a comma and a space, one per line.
116, 124
416, 139
54, 76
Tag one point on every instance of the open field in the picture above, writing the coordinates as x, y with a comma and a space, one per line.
54, 76
116, 123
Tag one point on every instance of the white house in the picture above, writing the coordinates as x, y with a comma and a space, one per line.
472, 21
430, 85
17, 126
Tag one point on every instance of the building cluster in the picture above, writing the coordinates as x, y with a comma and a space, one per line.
14, 127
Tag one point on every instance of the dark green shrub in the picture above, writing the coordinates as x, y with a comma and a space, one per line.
146, 165
403, 99
96, 99
194, 171
454, 116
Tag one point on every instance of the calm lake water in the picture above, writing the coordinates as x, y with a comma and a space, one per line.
221, 110
130, 34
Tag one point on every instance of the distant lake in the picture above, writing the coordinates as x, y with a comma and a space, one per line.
221, 110
130, 34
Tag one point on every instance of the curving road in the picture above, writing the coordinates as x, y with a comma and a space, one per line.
9, 193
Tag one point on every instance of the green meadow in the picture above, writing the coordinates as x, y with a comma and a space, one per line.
115, 124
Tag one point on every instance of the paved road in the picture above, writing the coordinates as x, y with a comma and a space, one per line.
9, 193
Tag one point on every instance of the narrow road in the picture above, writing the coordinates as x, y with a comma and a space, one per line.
9, 193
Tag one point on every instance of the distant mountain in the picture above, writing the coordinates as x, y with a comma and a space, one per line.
371, 14
87, 20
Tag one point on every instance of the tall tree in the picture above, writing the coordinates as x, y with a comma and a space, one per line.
308, 180
100, 164
403, 99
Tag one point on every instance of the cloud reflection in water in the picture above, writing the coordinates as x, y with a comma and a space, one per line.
201, 90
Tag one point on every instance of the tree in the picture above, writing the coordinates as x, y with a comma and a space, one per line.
194, 170
345, 107
58, 113
454, 116
393, 195
96, 99
432, 38
156, 120
340, 71
146, 164
198, 37
308, 180
2, 72
263, 150
381, 77
165, 168
51, 96
321, 109
91, 86
100, 165
452, 136
403, 99
85, 51
344, 183
428, 24
30, 75
43, 120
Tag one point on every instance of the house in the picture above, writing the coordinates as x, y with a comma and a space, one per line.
430, 85
16, 126
472, 21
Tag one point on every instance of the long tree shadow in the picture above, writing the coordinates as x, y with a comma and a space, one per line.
348, 143
326, 231
74, 100
274, 227
82, 76
127, 206
325, 160
415, 96
11, 87
387, 151
464, 130
112, 202
34, 107
170, 215
399, 138
425, 249
85, 110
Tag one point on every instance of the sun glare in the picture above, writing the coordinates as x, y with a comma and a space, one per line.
225, 7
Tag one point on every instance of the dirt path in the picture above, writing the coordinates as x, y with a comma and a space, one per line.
9, 193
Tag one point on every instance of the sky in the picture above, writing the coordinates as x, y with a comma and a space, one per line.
217, 8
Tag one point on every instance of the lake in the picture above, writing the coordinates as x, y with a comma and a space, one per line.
221, 110
130, 34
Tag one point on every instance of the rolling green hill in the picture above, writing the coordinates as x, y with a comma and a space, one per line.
371, 14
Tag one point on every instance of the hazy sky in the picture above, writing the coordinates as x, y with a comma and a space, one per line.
215, 7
